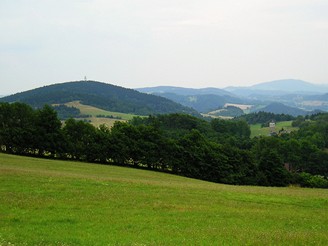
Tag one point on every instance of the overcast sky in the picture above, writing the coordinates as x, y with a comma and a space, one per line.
139, 43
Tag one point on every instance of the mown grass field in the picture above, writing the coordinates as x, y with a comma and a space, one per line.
47, 202
257, 130
93, 111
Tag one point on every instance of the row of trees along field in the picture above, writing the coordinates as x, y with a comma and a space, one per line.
264, 118
216, 150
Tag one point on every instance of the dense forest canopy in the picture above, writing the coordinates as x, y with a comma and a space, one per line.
217, 150
64, 112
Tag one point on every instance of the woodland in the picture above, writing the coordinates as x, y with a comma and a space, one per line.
214, 150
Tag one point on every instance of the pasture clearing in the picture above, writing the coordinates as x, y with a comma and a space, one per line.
51, 202
241, 106
257, 130
94, 112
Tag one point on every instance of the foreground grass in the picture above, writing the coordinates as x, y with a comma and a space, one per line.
47, 202
257, 130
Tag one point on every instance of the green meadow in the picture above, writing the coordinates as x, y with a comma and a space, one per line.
51, 202
257, 130
93, 111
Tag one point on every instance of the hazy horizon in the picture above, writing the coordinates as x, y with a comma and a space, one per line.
130, 43
160, 85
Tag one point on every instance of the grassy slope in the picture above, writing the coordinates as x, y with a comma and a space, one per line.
257, 130
46, 202
93, 111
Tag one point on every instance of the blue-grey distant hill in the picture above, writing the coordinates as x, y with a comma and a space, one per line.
279, 87
203, 100
279, 108
322, 97
185, 91
202, 103
290, 85
101, 95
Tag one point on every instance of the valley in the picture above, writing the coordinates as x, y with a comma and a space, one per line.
295, 97
170, 178
163, 123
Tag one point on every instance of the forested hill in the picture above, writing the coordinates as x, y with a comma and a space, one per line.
101, 95
279, 108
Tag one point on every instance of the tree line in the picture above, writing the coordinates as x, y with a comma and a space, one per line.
216, 150
264, 118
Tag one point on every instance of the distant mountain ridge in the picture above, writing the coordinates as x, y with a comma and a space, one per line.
297, 94
101, 95
290, 85
279, 108
291, 92
203, 100
185, 91
323, 97
203, 103
279, 87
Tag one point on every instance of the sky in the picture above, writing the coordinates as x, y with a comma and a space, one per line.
142, 43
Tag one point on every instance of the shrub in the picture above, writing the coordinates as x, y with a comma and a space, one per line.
313, 181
